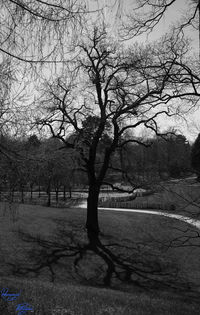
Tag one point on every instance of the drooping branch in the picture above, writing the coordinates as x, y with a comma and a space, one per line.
148, 14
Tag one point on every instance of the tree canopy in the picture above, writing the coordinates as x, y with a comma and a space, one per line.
111, 90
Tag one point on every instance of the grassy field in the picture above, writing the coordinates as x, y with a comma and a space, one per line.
181, 197
32, 236
47, 298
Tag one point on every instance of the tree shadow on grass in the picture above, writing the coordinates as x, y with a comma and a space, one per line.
104, 261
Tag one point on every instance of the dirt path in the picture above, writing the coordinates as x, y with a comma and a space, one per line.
188, 220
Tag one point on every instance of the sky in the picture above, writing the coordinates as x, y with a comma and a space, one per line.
190, 125
176, 12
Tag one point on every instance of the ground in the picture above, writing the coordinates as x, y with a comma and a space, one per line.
36, 258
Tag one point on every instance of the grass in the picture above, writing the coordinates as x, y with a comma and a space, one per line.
181, 197
147, 236
47, 298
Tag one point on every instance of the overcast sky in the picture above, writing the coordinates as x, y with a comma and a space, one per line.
175, 13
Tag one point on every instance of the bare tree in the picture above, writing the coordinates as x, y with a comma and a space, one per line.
148, 13
38, 35
37, 31
7, 78
109, 91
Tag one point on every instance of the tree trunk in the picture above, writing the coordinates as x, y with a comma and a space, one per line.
70, 192
22, 194
12, 194
57, 190
49, 193
31, 187
122, 165
92, 223
64, 193
49, 198
39, 192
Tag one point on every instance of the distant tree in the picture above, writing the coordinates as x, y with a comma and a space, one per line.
166, 156
195, 156
33, 142
56, 168
32, 148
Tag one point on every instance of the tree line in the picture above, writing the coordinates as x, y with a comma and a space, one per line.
33, 165
30, 165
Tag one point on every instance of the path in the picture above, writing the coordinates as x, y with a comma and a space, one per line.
188, 220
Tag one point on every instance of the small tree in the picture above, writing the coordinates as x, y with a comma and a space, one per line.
195, 156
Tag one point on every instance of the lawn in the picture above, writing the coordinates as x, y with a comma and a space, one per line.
53, 299
180, 197
39, 246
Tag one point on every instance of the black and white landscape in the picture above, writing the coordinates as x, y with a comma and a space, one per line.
99, 157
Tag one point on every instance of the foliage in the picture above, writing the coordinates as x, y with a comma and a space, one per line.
195, 156
34, 163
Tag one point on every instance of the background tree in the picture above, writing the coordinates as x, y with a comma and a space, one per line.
56, 167
195, 157
32, 147
161, 158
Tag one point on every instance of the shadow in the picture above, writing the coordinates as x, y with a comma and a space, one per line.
102, 261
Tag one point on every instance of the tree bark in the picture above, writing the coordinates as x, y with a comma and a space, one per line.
70, 192
31, 187
49, 193
12, 194
64, 192
57, 190
22, 194
39, 191
92, 223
